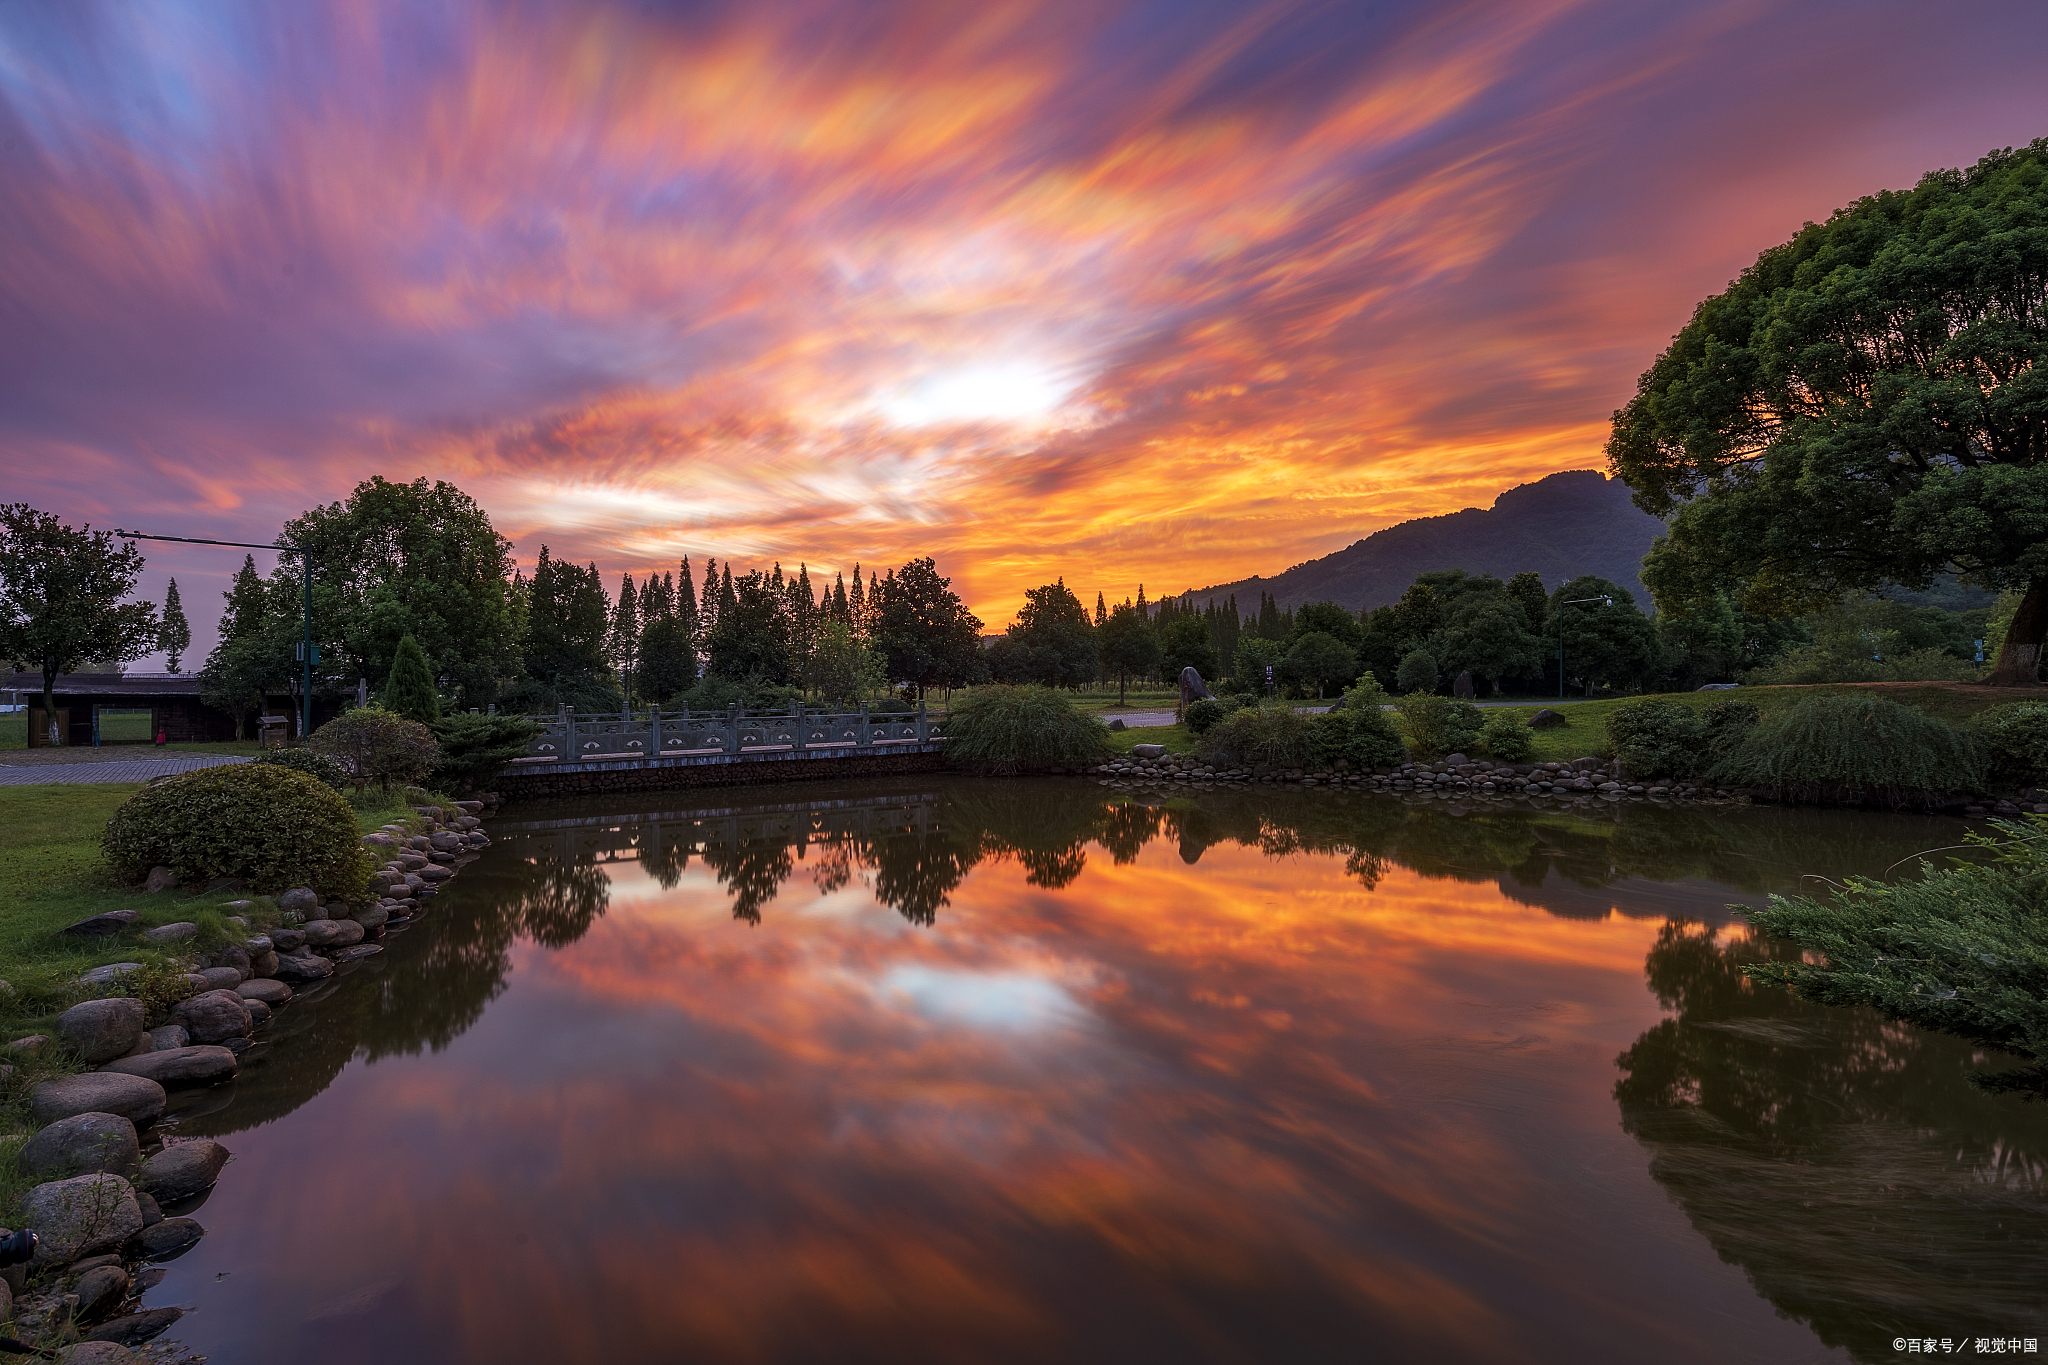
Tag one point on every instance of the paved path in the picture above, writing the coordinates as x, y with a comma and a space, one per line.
107, 770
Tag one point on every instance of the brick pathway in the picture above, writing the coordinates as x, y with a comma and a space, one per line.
107, 770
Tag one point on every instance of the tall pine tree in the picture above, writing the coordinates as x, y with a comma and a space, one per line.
409, 690
176, 635
623, 644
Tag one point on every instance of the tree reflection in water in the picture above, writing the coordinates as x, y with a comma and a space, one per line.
1843, 1162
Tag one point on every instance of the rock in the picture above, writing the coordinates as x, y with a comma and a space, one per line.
101, 1287
357, 953
271, 993
194, 984
79, 1216
263, 964
1547, 719
431, 875
287, 940
204, 1064
151, 1214
134, 1098
101, 926
184, 1170
1148, 750
318, 912
303, 967
95, 1353
81, 1143
259, 1013
333, 933
134, 1329
298, 900
101, 1030
160, 879
219, 978
159, 1241
446, 842
257, 946
376, 917
379, 840
238, 1046
33, 1043
170, 933
215, 1016
109, 974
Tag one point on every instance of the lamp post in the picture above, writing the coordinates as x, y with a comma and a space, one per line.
306, 648
1573, 602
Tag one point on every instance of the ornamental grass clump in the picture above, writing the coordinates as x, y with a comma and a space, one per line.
1658, 738
1008, 729
1276, 737
2013, 740
266, 825
1850, 748
1963, 949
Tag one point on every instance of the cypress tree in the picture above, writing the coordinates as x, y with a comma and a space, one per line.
841, 612
857, 605
409, 690
1101, 612
624, 644
176, 636
727, 599
707, 606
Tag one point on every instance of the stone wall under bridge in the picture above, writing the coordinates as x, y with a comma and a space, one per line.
591, 777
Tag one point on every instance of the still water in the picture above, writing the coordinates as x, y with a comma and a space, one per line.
964, 1071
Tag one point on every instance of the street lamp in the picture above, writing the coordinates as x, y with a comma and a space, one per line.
1573, 602
306, 650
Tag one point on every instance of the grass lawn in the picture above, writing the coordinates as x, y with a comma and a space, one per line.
1099, 701
1175, 737
1586, 734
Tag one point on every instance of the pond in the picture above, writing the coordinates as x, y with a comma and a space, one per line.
962, 1070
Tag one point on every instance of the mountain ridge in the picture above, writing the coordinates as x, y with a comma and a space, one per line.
1561, 527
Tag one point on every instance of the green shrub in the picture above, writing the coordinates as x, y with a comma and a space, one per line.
1417, 673
1007, 727
1363, 737
1850, 747
266, 824
1657, 737
1278, 737
1960, 950
1728, 722
378, 745
1506, 736
2013, 739
319, 767
1366, 693
473, 748
1438, 725
409, 690
1203, 715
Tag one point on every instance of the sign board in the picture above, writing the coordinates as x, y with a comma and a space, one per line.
1269, 675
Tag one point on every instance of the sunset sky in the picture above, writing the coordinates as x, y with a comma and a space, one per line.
1170, 293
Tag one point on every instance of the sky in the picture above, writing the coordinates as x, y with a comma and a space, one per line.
1147, 293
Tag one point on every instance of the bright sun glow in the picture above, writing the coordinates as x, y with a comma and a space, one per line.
1021, 391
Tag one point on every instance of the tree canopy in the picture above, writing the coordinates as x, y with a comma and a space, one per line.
1865, 406
64, 597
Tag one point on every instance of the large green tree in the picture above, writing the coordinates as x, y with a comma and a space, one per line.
1130, 645
751, 641
64, 599
1052, 641
419, 559
1865, 406
924, 631
568, 622
1606, 640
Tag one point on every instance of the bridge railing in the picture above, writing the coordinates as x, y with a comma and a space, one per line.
584, 737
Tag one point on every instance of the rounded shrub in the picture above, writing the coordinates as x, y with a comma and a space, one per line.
1259, 738
1203, 715
2013, 739
1850, 747
1008, 728
1417, 673
1438, 725
1362, 737
262, 822
1658, 737
319, 767
379, 745
1506, 736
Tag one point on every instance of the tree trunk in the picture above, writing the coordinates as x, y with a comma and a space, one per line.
50, 709
2019, 658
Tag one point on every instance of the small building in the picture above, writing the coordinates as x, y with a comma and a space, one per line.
133, 708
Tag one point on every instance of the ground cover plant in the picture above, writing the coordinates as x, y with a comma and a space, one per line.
1007, 728
1961, 949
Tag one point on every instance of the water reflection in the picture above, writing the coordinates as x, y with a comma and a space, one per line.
1012, 1071
1843, 1162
